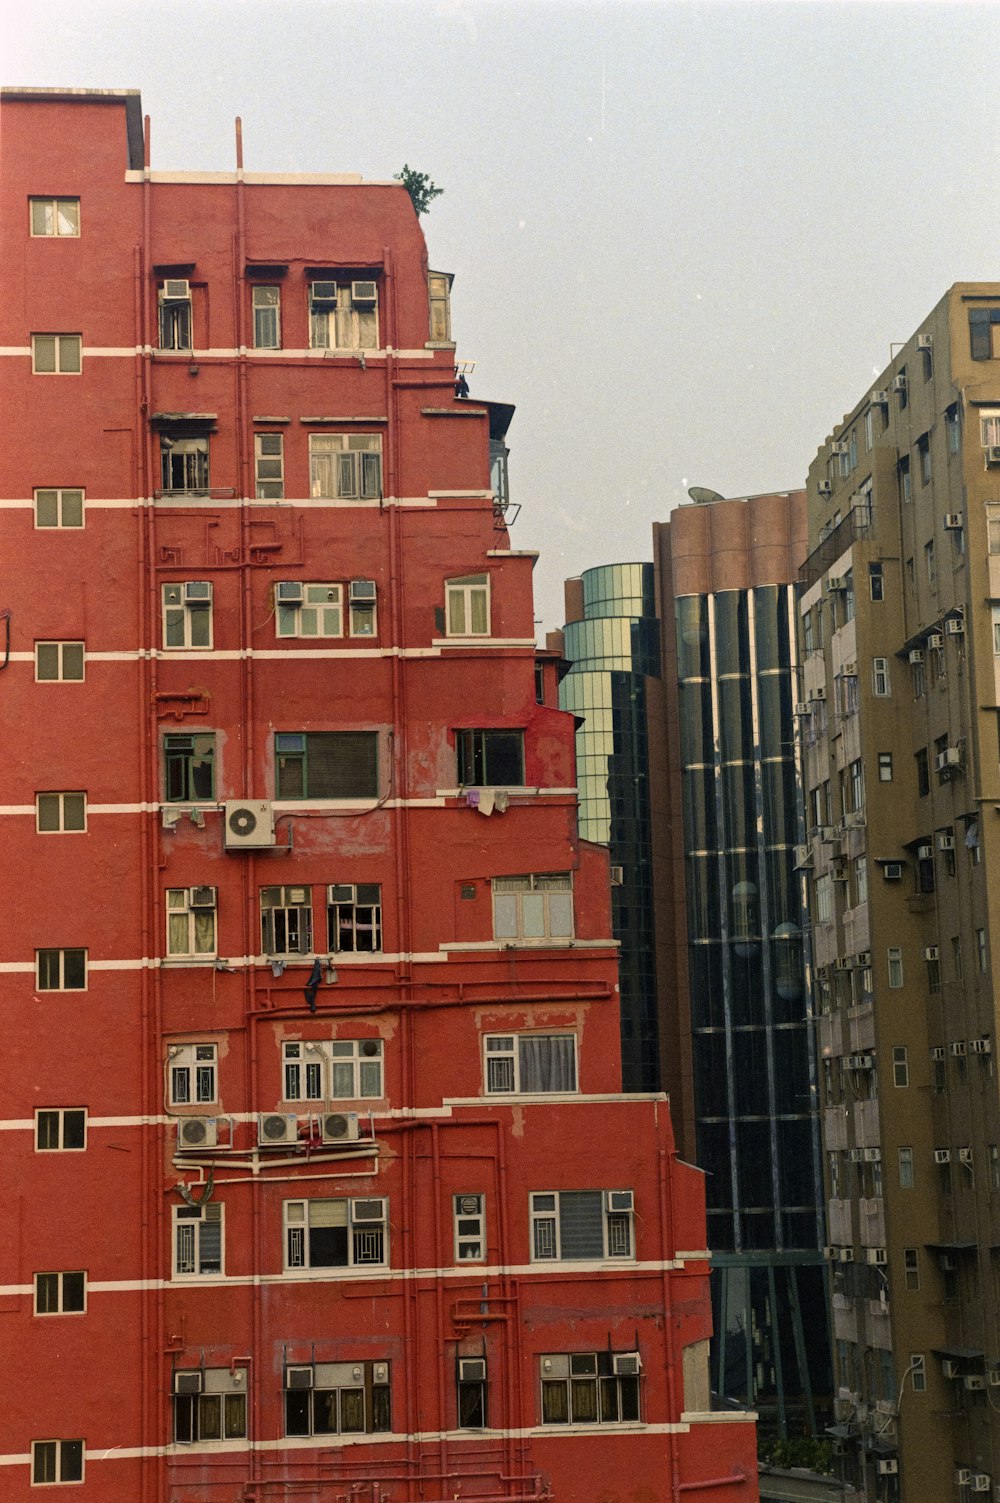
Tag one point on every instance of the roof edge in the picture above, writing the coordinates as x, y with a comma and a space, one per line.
130, 98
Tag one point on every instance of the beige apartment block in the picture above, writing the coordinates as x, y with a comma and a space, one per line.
898, 722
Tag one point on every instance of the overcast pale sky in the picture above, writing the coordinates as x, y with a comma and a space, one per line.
684, 235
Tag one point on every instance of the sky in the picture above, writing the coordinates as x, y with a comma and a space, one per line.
684, 236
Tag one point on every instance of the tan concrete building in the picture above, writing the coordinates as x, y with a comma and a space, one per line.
898, 721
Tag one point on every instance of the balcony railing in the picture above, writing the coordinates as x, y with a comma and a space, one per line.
857, 524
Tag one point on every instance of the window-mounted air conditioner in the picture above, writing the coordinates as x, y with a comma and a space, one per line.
925, 853
830, 1253
626, 1364
980, 1046
946, 842
847, 1255
975, 1383
953, 521
957, 1047
617, 876
954, 626
993, 1377
362, 591
857, 1155
935, 641
201, 897
819, 692
619, 1200
275, 1128
802, 856
340, 1127
289, 592
876, 1257
992, 453
298, 1377
850, 670
363, 294
189, 1381
840, 446
472, 1369
965, 1156
950, 1369
863, 959
931, 952
873, 1155
249, 824
368, 1212
825, 488
198, 592
892, 871
879, 397
938, 1052
838, 871
176, 290
323, 294
836, 584
942, 1156
916, 656
887, 1467
803, 708
924, 341
899, 382
950, 757
980, 1480
197, 1132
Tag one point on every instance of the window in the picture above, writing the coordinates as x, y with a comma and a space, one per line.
904, 478
267, 318
309, 610
439, 292
58, 662
918, 1372
56, 1461
533, 907
981, 954
869, 429
929, 562
184, 465
994, 1166
470, 1228
823, 892
911, 1268
953, 428
490, 757
198, 1239
302, 1071
860, 880
934, 975
923, 772
354, 917
470, 1383
55, 217
175, 314
335, 1233
58, 507
345, 466
363, 612
189, 768
61, 970
286, 920
343, 316
885, 767
356, 1069
61, 1129
571, 1225
808, 632
956, 953
894, 959
881, 685
60, 812
60, 1293
530, 1063
590, 1388
191, 921
848, 597
980, 332
210, 1404
187, 614
192, 1069
924, 453
876, 582
269, 466
468, 606
906, 1168
56, 354
337, 1398
857, 777
900, 1066
327, 764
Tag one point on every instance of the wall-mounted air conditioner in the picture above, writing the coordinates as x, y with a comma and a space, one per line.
950, 757
924, 341
925, 853
626, 1364
879, 397
953, 521
340, 1127
370, 1212
249, 824
197, 1132
201, 897
175, 290
472, 1369
955, 626
289, 592
899, 382
363, 294
892, 871
935, 641
931, 952
980, 1046
323, 294
942, 1156
276, 1128
916, 656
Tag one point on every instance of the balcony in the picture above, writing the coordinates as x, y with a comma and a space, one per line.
857, 524
839, 1230
866, 1123
834, 1128
871, 1214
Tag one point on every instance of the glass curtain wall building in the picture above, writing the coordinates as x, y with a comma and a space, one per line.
611, 642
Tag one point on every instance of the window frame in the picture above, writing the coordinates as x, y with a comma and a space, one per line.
288, 618
517, 1063
304, 1262
187, 910
363, 1376
881, 678
554, 928
59, 1480
258, 312
614, 1224
906, 1167
61, 1308
363, 477
62, 953
61, 1113
174, 321
194, 617
894, 966
286, 754
61, 676
59, 348
177, 757
61, 827
900, 1066
324, 319
354, 906
473, 1234
293, 934
197, 1217
221, 1393
201, 1070
269, 486
61, 493
590, 1371
56, 205
467, 590
193, 451
473, 756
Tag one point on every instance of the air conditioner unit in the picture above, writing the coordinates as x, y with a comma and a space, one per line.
804, 708
925, 853
825, 833
980, 1046
950, 757
931, 952
992, 452
873, 1155
924, 341
840, 446
951, 1369
850, 670
957, 1048
953, 521
830, 1253
935, 641
857, 1155
887, 1467
819, 692
942, 1155
289, 592
993, 1377
368, 1212
847, 1254
802, 855
340, 1127
617, 876
298, 1377
863, 960
916, 656
980, 1480
839, 871
197, 592
836, 584
175, 290
974, 1382
191, 1380
472, 1369
323, 293
879, 397
899, 382
892, 871
274, 1128
197, 1132
824, 488
946, 842
938, 1052
362, 591
619, 1200
249, 824
626, 1364
965, 1156
201, 897
955, 626
363, 294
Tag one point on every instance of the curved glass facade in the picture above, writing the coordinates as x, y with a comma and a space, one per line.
611, 651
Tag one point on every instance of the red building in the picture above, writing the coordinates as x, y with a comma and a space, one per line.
318, 1182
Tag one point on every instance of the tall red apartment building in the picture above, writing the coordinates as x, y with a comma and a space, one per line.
317, 1179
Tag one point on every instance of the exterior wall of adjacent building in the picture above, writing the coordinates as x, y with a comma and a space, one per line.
899, 733
355, 1208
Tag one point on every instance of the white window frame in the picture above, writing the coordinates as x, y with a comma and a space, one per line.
66, 349
269, 466
296, 1223
900, 1066
439, 300
62, 954
60, 1111
505, 1049
461, 597
179, 905
325, 1379
989, 428
469, 1216
362, 610
303, 1070
342, 326
823, 890
58, 1480
894, 965
881, 680
194, 617
345, 466
527, 909
286, 920
617, 1229
906, 1167
198, 1064
343, 898
188, 1248
175, 322
64, 226
321, 613
218, 1386
194, 453
65, 496
263, 306
357, 1069
61, 1275
61, 676
918, 1372
57, 804
860, 880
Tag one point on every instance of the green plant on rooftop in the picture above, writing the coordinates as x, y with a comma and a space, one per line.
420, 188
